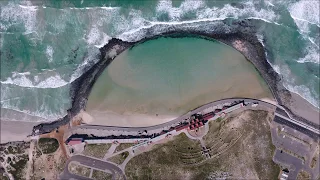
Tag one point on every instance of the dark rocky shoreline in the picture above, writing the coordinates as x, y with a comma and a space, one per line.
229, 33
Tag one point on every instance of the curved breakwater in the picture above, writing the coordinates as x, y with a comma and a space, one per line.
241, 37
161, 79
47, 45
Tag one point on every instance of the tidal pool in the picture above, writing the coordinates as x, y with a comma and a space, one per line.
161, 79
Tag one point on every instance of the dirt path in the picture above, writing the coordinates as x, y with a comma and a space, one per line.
59, 135
29, 165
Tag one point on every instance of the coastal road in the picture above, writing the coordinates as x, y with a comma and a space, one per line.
114, 130
174, 121
301, 124
91, 162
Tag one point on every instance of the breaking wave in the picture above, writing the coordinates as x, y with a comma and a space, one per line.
92, 27
26, 80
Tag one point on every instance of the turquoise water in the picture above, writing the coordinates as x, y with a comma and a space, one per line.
170, 76
47, 45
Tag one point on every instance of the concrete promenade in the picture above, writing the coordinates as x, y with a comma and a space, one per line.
103, 131
117, 131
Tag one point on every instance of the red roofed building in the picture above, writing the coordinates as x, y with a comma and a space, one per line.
180, 127
208, 117
74, 142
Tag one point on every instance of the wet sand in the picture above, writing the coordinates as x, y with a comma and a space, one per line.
231, 34
16, 126
140, 89
304, 109
15, 130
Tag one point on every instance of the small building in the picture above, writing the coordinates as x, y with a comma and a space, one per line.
74, 142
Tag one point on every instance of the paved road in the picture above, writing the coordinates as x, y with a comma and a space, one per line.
114, 130
301, 124
280, 113
281, 120
90, 162
295, 164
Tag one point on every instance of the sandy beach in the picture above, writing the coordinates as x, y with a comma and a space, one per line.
304, 109
15, 130
141, 89
16, 126
109, 118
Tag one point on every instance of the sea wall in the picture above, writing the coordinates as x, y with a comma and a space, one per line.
239, 34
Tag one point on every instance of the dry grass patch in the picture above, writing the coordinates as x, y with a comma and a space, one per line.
241, 146
48, 166
101, 175
96, 150
303, 175
48, 145
79, 170
123, 146
315, 158
118, 159
166, 161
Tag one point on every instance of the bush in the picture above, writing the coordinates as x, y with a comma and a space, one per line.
48, 145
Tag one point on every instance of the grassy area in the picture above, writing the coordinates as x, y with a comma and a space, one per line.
77, 169
12, 149
303, 175
96, 150
315, 158
123, 146
118, 159
101, 175
219, 119
48, 145
239, 145
2, 175
18, 166
60, 164
165, 161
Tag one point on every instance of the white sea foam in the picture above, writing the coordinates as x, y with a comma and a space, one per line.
203, 14
105, 39
15, 14
97, 37
49, 53
229, 11
48, 116
175, 13
269, 3
288, 80
312, 55
304, 92
30, 8
305, 13
26, 80
289, 83
86, 8
89, 61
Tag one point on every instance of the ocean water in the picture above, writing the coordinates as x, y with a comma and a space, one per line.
167, 77
47, 45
